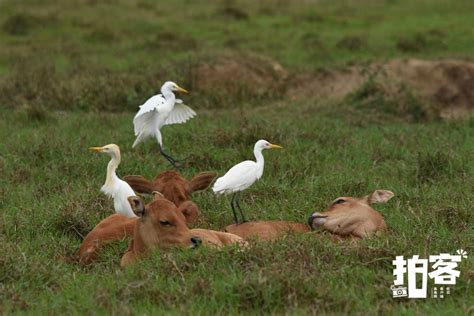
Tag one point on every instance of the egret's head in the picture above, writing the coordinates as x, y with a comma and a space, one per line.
263, 144
171, 86
112, 150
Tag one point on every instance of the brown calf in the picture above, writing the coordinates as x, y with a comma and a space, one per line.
266, 230
170, 183
353, 217
345, 217
162, 225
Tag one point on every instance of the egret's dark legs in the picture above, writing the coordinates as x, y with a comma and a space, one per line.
178, 164
236, 221
169, 158
238, 206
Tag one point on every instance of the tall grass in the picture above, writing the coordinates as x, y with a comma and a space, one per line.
51, 199
73, 73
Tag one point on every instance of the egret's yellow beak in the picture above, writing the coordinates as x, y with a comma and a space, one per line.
275, 146
178, 88
95, 149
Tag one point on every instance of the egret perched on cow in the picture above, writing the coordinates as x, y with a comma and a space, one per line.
243, 175
114, 187
158, 111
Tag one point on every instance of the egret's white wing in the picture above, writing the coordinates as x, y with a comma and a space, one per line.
180, 114
238, 178
108, 190
146, 115
121, 194
125, 189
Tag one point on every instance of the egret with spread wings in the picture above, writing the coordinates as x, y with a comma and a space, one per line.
158, 111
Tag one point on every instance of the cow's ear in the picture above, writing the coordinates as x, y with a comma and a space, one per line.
139, 184
137, 204
201, 181
380, 196
190, 211
157, 195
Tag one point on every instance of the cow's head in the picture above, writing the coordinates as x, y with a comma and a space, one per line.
175, 188
161, 224
349, 216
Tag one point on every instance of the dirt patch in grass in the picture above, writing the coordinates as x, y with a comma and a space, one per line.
447, 84
416, 89
226, 80
239, 78
328, 84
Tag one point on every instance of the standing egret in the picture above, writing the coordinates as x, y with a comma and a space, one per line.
243, 175
114, 187
159, 110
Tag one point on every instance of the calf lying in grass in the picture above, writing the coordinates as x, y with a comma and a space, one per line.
162, 225
353, 217
171, 184
346, 217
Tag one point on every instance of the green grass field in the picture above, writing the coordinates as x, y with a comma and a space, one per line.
72, 75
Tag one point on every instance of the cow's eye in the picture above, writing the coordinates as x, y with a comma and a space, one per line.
165, 223
339, 201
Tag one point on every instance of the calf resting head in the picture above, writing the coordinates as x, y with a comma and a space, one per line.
116, 227
348, 216
162, 225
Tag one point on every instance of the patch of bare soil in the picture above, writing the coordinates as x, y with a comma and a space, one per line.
328, 85
413, 87
241, 77
447, 84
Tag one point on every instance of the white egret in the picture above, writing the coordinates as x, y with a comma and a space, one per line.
159, 110
114, 187
242, 175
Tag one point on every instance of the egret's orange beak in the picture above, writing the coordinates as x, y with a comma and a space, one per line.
95, 149
178, 88
275, 146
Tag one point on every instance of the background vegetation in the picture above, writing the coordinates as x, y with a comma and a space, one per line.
72, 74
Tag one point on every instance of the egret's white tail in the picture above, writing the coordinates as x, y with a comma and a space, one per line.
138, 140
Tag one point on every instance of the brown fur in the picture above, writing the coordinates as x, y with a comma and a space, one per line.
266, 230
352, 219
162, 225
172, 185
217, 238
114, 227
117, 227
